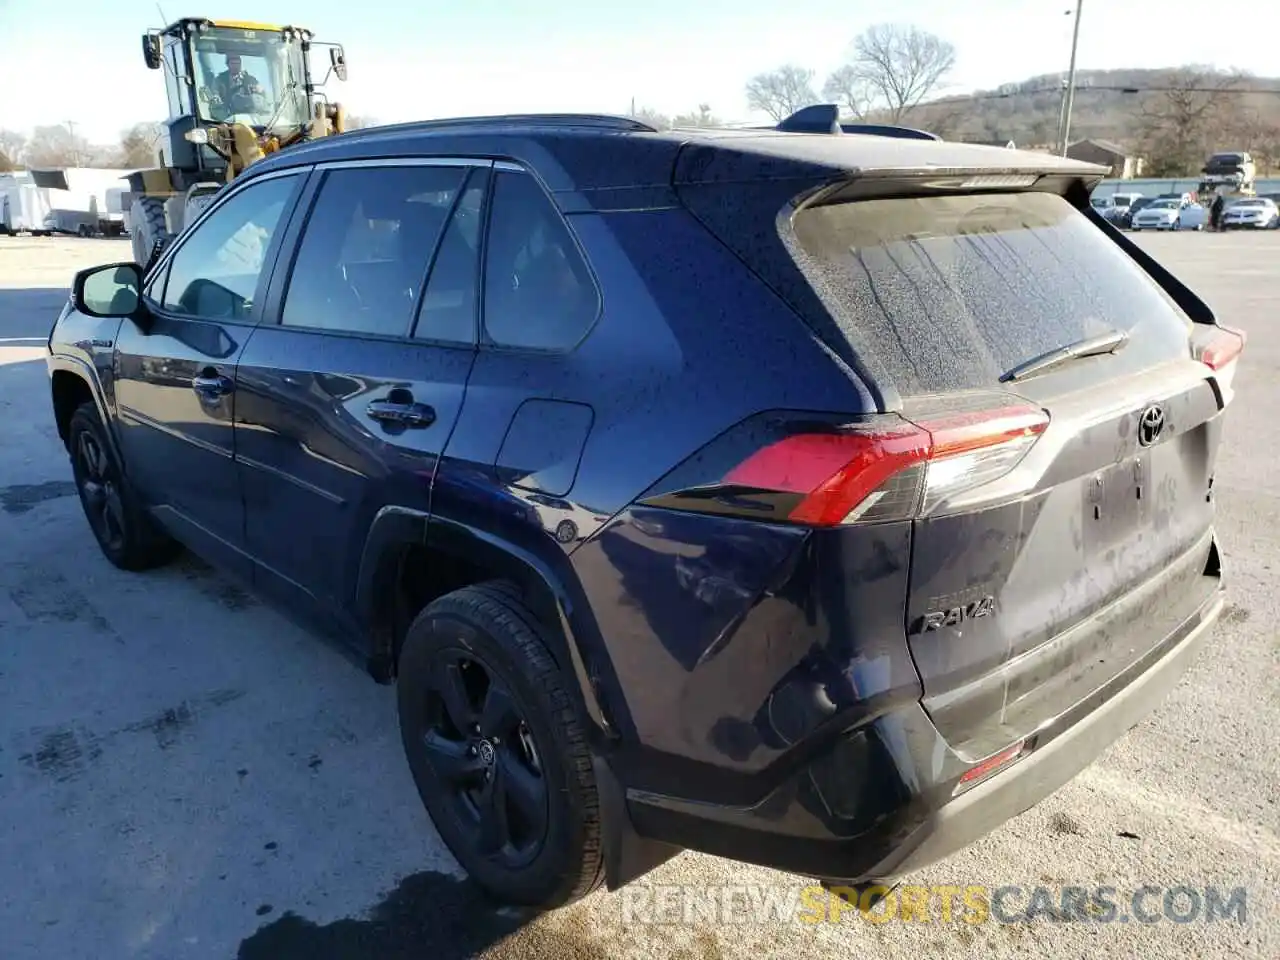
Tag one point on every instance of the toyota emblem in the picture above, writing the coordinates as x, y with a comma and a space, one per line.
1150, 425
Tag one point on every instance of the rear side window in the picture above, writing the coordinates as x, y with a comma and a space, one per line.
365, 249
538, 292
948, 293
447, 310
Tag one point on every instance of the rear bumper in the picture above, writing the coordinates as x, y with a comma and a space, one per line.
880, 803
1077, 743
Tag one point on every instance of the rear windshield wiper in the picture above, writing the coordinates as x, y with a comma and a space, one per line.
1103, 343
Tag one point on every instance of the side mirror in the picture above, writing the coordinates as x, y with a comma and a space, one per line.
151, 52
113, 291
338, 60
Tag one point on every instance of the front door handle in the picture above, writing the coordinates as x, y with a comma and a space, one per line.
410, 414
212, 385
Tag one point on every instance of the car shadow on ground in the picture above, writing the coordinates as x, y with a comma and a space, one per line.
28, 313
427, 914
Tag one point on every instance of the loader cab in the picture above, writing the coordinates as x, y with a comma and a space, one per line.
219, 72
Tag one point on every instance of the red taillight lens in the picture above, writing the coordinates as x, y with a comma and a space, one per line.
1225, 347
892, 470
834, 472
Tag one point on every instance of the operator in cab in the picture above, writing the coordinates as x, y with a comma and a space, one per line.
236, 83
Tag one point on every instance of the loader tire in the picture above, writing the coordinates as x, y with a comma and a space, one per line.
147, 226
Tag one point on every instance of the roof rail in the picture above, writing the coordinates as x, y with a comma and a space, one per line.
825, 118
599, 121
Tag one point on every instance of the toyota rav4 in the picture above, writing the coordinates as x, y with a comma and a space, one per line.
818, 499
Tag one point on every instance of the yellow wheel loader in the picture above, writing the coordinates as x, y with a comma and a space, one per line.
237, 91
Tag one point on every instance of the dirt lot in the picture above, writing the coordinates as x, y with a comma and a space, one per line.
186, 773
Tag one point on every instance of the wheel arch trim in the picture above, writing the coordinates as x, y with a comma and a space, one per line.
550, 591
84, 371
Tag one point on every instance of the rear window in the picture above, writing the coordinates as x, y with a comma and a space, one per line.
948, 293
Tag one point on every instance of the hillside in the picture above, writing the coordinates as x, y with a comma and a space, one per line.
1028, 112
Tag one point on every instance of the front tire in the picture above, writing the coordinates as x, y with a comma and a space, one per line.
147, 226
125, 534
497, 748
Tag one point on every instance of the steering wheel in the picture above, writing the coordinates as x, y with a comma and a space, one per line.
246, 103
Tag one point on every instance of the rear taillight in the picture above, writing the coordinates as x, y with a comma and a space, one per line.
1218, 348
880, 468
1225, 347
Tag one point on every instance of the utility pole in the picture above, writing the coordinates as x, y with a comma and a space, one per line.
1071, 80
75, 154
1058, 143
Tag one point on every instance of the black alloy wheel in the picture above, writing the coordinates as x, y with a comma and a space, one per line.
481, 749
496, 743
125, 532
98, 481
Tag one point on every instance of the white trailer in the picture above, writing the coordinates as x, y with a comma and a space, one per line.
83, 200
24, 207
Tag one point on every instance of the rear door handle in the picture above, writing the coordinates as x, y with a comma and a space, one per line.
415, 415
212, 385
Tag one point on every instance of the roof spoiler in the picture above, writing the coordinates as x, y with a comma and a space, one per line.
825, 118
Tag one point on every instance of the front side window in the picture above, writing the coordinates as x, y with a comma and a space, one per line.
216, 271
538, 292
366, 247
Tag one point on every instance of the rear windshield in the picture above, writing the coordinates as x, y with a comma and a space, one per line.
947, 293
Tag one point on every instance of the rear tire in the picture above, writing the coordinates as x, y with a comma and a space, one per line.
147, 225
484, 712
126, 535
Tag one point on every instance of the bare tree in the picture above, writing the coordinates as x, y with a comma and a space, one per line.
654, 118
13, 146
781, 92
55, 146
702, 117
901, 65
848, 88
1179, 125
139, 146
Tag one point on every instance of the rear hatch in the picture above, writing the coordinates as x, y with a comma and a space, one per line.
1063, 528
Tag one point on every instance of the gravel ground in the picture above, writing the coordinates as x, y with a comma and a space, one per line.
184, 772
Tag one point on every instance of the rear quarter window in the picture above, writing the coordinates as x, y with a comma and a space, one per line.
949, 293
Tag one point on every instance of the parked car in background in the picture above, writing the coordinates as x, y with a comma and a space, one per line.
1256, 213
1125, 220
1169, 214
1115, 206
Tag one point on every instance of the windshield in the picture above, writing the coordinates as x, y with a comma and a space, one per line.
1164, 205
250, 76
1101, 201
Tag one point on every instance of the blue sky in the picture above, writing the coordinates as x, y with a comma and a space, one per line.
80, 60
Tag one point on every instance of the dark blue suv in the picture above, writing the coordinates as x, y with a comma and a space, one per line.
819, 500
